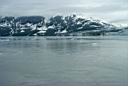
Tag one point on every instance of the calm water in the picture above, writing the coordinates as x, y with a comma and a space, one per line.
31, 61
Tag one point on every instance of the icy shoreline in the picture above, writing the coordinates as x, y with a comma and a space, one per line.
4, 39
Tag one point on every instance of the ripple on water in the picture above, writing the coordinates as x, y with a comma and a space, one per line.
34, 82
1, 54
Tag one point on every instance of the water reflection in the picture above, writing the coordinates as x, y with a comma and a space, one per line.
71, 46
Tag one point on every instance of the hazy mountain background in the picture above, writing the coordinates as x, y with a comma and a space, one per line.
113, 11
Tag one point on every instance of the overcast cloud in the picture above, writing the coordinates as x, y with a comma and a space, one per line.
115, 11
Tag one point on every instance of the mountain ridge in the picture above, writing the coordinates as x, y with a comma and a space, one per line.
57, 26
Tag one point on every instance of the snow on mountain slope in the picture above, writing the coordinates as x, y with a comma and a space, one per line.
57, 25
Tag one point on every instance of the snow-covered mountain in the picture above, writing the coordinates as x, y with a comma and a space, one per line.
56, 26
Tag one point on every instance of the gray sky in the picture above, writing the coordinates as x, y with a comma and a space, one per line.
115, 11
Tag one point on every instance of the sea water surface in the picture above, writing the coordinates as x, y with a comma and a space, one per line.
71, 61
